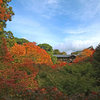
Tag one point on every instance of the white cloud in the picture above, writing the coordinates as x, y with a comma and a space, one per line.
76, 45
80, 38
79, 20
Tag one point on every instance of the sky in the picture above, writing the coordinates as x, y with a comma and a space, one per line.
67, 25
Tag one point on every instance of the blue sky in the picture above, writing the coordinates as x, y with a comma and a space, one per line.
67, 25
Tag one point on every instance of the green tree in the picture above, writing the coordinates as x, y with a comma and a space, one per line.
21, 40
96, 63
47, 47
10, 40
63, 53
54, 59
56, 52
77, 52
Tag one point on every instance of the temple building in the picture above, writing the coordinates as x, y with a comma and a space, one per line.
65, 58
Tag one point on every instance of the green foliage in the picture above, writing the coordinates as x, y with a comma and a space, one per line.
10, 40
77, 78
54, 59
47, 47
21, 40
96, 62
56, 52
63, 53
77, 52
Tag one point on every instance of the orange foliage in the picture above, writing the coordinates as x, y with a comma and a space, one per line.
18, 50
41, 56
85, 53
3, 15
32, 51
1, 1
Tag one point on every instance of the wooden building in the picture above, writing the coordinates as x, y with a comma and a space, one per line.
65, 58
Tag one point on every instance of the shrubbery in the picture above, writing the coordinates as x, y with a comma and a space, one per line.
54, 59
96, 63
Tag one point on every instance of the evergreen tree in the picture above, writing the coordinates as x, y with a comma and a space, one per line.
96, 63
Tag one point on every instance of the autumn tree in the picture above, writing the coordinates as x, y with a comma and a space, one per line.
5, 14
18, 51
49, 50
32, 51
85, 55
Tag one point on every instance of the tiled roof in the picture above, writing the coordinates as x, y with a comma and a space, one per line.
64, 55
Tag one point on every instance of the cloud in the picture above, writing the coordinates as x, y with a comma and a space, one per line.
79, 38
68, 25
75, 45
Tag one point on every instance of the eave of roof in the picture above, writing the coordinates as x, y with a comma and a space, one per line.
64, 55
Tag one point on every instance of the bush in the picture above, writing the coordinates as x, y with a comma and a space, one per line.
54, 59
75, 78
96, 63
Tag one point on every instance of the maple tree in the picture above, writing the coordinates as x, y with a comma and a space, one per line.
13, 81
5, 55
32, 51
84, 54
5, 14
18, 51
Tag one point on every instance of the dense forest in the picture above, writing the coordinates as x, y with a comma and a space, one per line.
30, 72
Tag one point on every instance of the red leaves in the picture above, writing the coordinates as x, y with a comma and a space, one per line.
5, 55
94, 92
61, 64
16, 80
